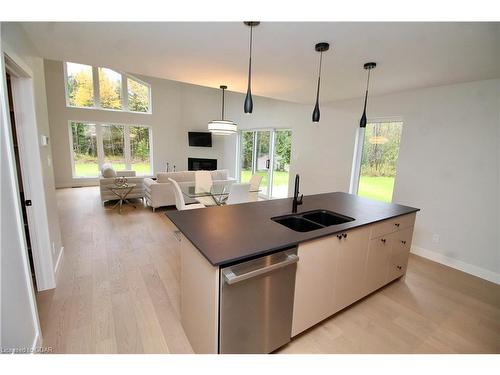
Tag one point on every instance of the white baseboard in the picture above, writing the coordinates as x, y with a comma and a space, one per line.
457, 264
77, 183
58, 262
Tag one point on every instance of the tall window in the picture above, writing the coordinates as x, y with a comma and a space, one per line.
84, 139
374, 170
109, 90
140, 149
124, 146
79, 85
113, 145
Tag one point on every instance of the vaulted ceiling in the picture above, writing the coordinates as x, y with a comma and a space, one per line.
409, 55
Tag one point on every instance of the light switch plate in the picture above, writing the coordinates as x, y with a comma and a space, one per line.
44, 140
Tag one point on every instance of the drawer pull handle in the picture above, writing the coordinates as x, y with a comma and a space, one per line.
397, 224
403, 242
383, 240
339, 236
344, 235
399, 267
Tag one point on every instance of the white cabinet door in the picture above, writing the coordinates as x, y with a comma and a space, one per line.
379, 252
314, 283
351, 258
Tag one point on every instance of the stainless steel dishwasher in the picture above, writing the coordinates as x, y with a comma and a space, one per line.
256, 303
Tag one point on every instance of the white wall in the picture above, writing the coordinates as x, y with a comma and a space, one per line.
177, 109
19, 326
449, 160
14, 36
448, 166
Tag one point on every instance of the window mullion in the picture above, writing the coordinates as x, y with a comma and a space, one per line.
124, 93
150, 141
95, 81
100, 146
126, 136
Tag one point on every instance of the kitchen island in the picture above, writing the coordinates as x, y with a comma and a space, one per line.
336, 265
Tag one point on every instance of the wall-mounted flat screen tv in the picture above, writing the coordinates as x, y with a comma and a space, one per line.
200, 139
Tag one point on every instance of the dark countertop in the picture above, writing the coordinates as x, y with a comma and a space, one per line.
227, 234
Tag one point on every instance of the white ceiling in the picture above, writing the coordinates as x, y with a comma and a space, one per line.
409, 55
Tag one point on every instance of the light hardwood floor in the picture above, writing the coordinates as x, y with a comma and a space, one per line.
118, 292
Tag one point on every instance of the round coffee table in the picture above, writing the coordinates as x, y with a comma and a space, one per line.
122, 191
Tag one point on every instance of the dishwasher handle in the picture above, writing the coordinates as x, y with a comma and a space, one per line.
231, 278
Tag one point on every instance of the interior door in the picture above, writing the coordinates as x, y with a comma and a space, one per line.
263, 160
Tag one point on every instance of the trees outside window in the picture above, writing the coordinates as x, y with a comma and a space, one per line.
114, 146
379, 159
124, 146
260, 147
84, 139
138, 96
79, 85
140, 149
112, 89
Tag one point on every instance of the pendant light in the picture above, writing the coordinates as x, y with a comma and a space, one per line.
248, 106
222, 127
368, 66
320, 47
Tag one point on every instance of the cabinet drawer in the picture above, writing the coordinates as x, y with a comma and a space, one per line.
396, 266
392, 225
401, 241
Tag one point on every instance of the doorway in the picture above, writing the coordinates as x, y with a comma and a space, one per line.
27, 162
374, 167
266, 152
22, 195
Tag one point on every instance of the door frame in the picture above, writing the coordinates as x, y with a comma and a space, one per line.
31, 167
11, 163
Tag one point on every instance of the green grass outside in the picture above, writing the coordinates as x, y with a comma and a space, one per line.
92, 170
378, 188
279, 179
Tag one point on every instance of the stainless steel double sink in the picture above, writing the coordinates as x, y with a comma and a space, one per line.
311, 220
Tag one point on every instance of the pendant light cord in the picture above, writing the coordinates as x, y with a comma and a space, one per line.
319, 74
250, 58
223, 90
368, 81
366, 92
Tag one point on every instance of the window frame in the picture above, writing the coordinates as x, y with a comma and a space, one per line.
96, 90
66, 94
125, 93
358, 150
100, 147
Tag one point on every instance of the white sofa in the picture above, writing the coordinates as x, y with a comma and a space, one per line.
159, 193
107, 179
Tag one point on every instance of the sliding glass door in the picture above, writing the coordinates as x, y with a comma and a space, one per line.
281, 164
266, 153
246, 155
263, 159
